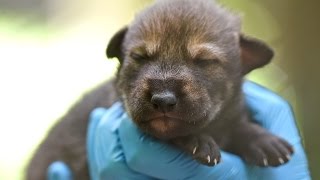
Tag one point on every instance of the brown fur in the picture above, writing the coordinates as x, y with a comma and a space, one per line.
191, 56
66, 141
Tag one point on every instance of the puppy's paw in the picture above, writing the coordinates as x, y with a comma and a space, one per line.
268, 150
202, 148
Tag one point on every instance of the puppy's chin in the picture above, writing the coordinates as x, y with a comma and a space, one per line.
167, 127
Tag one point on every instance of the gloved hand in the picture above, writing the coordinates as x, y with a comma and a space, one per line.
117, 149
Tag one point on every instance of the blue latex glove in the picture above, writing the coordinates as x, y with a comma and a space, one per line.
59, 171
117, 149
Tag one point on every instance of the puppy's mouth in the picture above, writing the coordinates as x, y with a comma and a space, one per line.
164, 116
163, 122
168, 125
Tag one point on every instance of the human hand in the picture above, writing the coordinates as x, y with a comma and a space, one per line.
275, 114
118, 149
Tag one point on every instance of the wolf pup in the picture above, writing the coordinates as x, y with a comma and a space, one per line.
182, 64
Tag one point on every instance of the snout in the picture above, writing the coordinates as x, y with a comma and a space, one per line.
164, 101
168, 103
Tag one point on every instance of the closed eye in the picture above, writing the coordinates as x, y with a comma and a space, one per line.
206, 62
138, 57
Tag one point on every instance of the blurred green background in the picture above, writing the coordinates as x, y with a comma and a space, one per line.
51, 52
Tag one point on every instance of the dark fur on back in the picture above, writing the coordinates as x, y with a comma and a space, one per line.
181, 68
66, 141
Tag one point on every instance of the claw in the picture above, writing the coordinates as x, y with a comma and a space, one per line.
288, 156
265, 162
215, 161
194, 150
208, 158
281, 160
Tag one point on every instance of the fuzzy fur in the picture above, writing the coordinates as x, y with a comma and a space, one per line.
194, 51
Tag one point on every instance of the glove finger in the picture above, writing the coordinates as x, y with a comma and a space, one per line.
271, 111
113, 112
152, 157
276, 115
103, 116
106, 159
59, 171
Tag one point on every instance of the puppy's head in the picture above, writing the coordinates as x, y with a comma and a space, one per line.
182, 62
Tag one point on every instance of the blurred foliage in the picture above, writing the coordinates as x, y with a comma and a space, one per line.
45, 65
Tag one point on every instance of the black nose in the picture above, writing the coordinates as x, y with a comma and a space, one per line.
164, 101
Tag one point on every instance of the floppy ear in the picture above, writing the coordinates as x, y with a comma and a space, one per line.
114, 48
254, 53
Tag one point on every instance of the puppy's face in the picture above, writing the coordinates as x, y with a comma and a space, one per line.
180, 68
